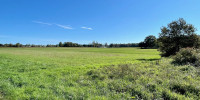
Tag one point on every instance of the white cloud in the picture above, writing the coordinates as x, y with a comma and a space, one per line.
64, 26
88, 28
39, 22
59, 25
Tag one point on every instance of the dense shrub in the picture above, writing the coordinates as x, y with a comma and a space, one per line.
187, 56
146, 81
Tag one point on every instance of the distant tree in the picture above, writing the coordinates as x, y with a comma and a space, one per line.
27, 45
6, 45
106, 44
71, 44
1, 45
94, 44
10, 45
111, 45
178, 34
142, 45
124, 45
32, 45
60, 44
18, 45
150, 41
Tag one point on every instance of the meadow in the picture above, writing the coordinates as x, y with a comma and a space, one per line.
93, 74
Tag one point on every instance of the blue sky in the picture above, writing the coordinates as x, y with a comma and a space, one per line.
82, 21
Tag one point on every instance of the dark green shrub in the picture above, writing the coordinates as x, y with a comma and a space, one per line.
187, 56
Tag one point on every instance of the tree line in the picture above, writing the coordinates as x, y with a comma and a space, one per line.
71, 44
21, 45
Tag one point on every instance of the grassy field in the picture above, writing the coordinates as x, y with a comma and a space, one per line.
53, 73
94, 74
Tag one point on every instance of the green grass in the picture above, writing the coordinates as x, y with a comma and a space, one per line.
55, 73
94, 74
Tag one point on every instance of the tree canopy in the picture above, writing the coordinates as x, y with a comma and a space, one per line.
149, 42
178, 34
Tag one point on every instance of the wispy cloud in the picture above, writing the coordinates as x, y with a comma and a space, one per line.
64, 26
39, 22
59, 25
88, 28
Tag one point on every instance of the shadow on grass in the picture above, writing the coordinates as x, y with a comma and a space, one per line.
148, 59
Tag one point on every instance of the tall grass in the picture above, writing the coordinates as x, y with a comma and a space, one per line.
150, 80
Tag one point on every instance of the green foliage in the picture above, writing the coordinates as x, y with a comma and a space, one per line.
149, 42
60, 44
178, 34
187, 56
147, 80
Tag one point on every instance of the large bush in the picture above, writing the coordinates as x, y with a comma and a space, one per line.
187, 56
178, 34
